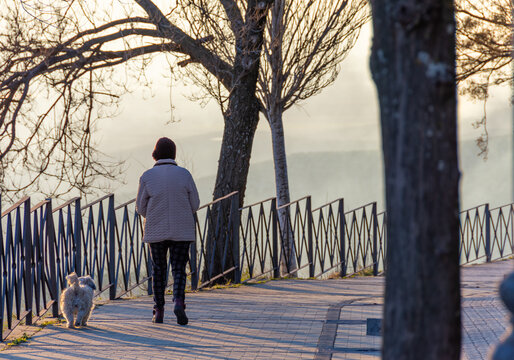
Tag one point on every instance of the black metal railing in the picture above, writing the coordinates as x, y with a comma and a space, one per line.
40, 245
258, 229
362, 233
475, 237
27, 264
486, 234
329, 231
133, 266
217, 225
295, 238
382, 239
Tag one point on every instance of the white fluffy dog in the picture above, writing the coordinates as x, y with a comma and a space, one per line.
77, 299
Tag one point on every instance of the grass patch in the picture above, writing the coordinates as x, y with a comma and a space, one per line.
252, 283
45, 323
364, 272
334, 275
228, 285
22, 339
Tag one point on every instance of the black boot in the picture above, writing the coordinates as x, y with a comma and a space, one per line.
158, 315
180, 312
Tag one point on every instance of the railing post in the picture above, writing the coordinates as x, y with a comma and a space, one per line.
193, 264
1, 273
384, 241
150, 271
235, 215
487, 233
112, 248
274, 239
342, 238
310, 253
375, 238
51, 249
28, 263
77, 238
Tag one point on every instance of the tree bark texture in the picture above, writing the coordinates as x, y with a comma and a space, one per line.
241, 120
241, 116
240, 125
413, 66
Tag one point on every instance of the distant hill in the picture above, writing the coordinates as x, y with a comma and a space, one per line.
355, 175
358, 177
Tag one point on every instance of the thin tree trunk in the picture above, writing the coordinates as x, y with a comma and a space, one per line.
273, 114
413, 65
288, 259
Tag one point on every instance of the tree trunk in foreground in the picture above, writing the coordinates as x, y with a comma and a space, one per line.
413, 65
288, 259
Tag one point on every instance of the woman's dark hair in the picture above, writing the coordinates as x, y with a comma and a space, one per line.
164, 149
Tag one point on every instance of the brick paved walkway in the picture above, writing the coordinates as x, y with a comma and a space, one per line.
484, 316
288, 319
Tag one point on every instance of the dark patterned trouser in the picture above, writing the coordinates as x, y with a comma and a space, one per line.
179, 251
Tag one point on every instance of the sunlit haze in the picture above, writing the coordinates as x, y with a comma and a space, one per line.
325, 136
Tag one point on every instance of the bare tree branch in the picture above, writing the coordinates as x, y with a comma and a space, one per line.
484, 49
59, 76
234, 16
313, 37
484, 44
190, 46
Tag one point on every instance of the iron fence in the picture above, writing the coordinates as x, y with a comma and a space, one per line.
40, 245
295, 224
486, 234
382, 239
259, 240
218, 237
329, 231
475, 234
501, 231
27, 264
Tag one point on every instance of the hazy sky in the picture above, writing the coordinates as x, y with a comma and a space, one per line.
343, 117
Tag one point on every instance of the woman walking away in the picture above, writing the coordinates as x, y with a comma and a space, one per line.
167, 198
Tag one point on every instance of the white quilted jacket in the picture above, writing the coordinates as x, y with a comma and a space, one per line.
167, 198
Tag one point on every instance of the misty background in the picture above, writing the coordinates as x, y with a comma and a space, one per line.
332, 140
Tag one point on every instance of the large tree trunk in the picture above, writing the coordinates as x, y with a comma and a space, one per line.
288, 259
240, 124
413, 65
241, 118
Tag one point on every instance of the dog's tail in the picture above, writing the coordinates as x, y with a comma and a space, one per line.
73, 279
